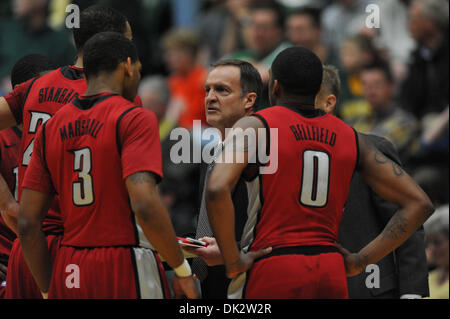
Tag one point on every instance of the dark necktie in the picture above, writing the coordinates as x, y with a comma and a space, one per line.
199, 266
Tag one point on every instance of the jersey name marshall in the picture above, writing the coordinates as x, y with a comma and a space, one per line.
313, 133
79, 128
56, 95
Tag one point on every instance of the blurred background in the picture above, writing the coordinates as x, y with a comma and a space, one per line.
393, 68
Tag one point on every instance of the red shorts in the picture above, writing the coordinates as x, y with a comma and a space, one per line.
107, 273
20, 283
319, 276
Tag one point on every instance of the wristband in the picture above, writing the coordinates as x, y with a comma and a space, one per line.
44, 295
184, 270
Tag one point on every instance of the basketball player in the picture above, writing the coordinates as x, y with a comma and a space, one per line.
33, 103
26, 68
365, 216
302, 202
98, 148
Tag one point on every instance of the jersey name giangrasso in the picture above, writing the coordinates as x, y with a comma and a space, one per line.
33, 103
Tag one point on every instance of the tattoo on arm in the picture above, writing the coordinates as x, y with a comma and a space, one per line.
142, 177
398, 171
395, 227
380, 158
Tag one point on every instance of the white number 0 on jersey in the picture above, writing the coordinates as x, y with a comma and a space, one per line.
315, 178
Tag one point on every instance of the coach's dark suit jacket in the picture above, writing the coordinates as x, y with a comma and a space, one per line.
365, 216
216, 283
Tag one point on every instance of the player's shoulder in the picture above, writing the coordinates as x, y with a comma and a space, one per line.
131, 110
384, 145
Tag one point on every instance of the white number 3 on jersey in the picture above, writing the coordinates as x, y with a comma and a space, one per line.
82, 190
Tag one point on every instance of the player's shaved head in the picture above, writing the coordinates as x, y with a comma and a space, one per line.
29, 66
299, 72
97, 19
105, 51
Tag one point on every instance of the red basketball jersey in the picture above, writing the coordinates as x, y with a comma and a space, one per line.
302, 202
84, 153
33, 103
9, 149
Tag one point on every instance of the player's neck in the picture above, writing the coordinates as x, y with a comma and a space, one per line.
295, 101
103, 84
79, 60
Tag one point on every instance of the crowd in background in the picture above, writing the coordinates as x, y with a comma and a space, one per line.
393, 69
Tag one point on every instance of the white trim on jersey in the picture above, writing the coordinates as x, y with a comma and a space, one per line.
236, 287
148, 274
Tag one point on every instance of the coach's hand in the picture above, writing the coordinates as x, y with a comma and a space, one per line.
354, 263
245, 261
210, 254
185, 286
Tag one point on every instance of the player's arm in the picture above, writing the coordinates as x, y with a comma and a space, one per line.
393, 184
8, 206
218, 197
157, 226
37, 195
33, 208
7, 118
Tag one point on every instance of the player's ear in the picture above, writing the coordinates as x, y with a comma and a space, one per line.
331, 104
275, 88
128, 67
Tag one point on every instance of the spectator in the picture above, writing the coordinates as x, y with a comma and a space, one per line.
177, 195
28, 33
393, 35
426, 88
265, 39
425, 91
342, 19
436, 231
187, 77
185, 12
356, 52
303, 28
222, 28
384, 117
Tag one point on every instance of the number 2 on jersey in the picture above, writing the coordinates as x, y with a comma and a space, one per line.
82, 190
315, 178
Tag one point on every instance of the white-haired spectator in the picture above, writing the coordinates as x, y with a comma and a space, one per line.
436, 237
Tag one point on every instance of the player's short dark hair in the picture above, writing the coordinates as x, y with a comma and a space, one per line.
276, 8
313, 13
382, 67
97, 19
299, 71
29, 66
105, 51
250, 77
